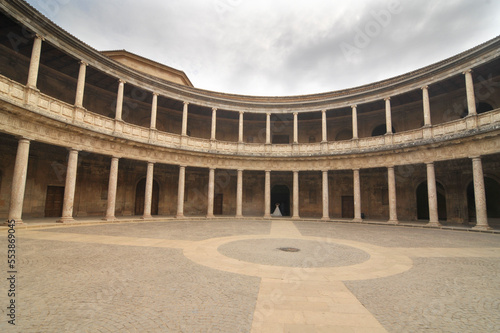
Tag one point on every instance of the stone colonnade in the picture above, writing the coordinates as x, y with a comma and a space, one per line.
20, 170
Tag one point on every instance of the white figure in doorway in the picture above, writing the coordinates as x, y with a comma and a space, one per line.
277, 211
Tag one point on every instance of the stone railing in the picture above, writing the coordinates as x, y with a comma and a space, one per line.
39, 103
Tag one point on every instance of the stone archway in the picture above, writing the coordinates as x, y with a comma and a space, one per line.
139, 197
281, 194
492, 189
423, 201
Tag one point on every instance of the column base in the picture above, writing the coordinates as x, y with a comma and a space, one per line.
210, 216
65, 220
6, 223
109, 218
477, 227
392, 222
239, 216
357, 219
295, 217
268, 216
146, 217
325, 218
179, 216
433, 224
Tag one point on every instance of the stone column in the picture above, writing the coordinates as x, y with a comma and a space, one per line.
80, 86
354, 122
324, 135
19, 181
35, 62
326, 215
119, 100
357, 196
214, 124
388, 118
267, 194
69, 189
432, 195
180, 191
240, 128
391, 178
268, 128
469, 88
479, 195
239, 194
210, 194
148, 192
427, 106
154, 111
295, 128
184, 118
295, 195
113, 180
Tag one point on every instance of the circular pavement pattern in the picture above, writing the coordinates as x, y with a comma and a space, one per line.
311, 254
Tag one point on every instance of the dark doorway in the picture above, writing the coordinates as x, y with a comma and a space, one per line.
54, 201
423, 201
218, 202
281, 194
492, 189
140, 196
348, 207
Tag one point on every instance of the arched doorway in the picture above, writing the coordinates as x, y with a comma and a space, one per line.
139, 197
423, 201
492, 191
281, 194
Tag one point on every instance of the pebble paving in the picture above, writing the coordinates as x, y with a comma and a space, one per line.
71, 285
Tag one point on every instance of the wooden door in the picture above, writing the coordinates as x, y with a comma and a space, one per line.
348, 207
54, 201
218, 204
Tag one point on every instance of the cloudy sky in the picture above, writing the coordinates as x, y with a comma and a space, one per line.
281, 47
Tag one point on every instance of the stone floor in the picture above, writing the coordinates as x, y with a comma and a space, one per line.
230, 276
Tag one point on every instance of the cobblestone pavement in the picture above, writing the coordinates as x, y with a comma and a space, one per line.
227, 276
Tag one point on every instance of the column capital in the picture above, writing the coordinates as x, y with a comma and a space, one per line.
387, 98
154, 93
214, 109
121, 81
210, 168
467, 71
424, 87
355, 169
72, 150
185, 103
83, 63
323, 111
24, 138
268, 171
240, 170
428, 163
295, 113
241, 112
39, 37
182, 165
149, 162
475, 157
268, 114
353, 106
325, 170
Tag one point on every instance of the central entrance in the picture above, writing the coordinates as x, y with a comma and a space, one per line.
281, 194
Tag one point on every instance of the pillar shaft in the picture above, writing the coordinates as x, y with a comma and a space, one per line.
148, 192
35, 62
391, 179
324, 135
469, 88
180, 191
119, 100
69, 189
479, 194
184, 118
427, 106
295, 195
388, 117
268, 128
326, 214
357, 195
19, 180
210, 194
214, 124
295, 128
80, 86
432, 195
267, 194
240, 128
154, 111
239, 194
113, 181
354, 122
